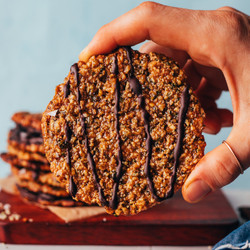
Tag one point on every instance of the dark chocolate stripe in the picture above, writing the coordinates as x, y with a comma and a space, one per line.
113, 202
26, 135
114, 66
68, 134
180, 130
66, 89
35, 196
137, 89
74, 70
72, 187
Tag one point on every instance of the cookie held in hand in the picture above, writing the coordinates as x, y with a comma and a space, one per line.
123, 130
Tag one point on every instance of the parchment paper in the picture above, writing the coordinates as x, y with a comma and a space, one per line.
68, 214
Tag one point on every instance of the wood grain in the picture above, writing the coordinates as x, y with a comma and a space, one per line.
174, 222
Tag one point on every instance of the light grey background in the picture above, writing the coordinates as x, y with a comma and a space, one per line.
39, 40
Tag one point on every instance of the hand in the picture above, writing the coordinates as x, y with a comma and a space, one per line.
213, 47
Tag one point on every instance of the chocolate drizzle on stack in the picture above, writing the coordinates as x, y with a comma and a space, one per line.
137, 90
26, 135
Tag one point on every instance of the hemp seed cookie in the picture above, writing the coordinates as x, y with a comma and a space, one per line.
27, 135
35, 186
14, 160
26, 155
36, 175
123, 130
28, 163
28, 120
47, 199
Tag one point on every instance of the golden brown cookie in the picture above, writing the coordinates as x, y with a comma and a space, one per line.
47, 199
25, 145
27, 134
36, 175
14, 160
26, 119
43, 188
25, 155
123, 130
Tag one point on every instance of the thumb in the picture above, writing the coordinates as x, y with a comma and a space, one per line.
215, 170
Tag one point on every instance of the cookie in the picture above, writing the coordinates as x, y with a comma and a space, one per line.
27, 119
26, 139
27, 134
36, 187
35, 182
123, 130
47, 199
34, 165
26, 155
36, 175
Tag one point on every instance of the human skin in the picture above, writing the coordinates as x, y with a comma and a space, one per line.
213, 47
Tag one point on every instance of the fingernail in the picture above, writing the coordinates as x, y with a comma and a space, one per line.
197, 190
84, 55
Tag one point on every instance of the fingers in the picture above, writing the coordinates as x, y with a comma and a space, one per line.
178, 55
206, 91
217, 119
218, 167
156, 22
213, 75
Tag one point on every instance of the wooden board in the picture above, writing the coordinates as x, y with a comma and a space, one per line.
174, 222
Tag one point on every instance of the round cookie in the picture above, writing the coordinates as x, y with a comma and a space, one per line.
43, 188
36, 175
26, 119
26, 140
27, 135
34, 165
123, 130
47, 199
26, 155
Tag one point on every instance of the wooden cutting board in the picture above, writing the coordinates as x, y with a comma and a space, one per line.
174, 222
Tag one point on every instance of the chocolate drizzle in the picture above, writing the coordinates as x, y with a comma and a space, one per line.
180, 131
184, 102
68, 134
114, 66
73, 189
66, 89
113, 202
72, 185
36, 196
136, 88
26, 135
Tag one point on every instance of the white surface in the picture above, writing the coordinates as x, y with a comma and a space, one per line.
237, 198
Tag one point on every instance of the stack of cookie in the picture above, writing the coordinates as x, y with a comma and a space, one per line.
29, 165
